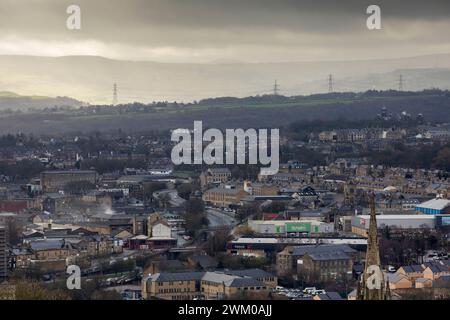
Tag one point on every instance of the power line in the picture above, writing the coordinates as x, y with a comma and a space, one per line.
401, 82
330, 83
276, 88
115, 99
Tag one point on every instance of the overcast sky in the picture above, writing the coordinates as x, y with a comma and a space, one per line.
225, 30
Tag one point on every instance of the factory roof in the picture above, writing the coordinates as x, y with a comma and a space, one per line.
435, 204
398, 216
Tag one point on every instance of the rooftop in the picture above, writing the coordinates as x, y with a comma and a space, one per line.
413, 268
177, 276
394, 277
398, 216
435, 204
327, 256
254, 273
219, 170
317, 249
256, 240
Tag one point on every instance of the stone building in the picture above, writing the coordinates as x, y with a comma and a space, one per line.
224, 197
215, 175
210, 285
292, 259
54, 181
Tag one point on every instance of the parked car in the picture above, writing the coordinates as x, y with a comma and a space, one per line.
309, 290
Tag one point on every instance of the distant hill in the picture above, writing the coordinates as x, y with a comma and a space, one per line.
91, 79
413, 79
13, 101
224, 113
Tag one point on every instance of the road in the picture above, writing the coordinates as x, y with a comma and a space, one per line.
174, 199
219, 218
216, 217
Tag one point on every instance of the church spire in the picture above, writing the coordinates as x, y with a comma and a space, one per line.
372, 285
373, 249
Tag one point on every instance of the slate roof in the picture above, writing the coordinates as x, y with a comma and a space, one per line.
329, 256
244, 282
312, 249
218, 277
48, 245
437, 267
231, 280
413, 268
177, 276
235, 278
254, 273
394, 277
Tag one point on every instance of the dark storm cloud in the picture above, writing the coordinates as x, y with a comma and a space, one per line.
231, 24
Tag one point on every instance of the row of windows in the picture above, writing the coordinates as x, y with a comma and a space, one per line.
181, 297
52, 253
266, 279
174, 290
333, 263
178, 290
252, 288
171, 283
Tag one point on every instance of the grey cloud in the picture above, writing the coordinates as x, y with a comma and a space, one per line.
235, 24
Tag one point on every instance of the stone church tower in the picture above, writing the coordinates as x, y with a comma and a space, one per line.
368, 288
